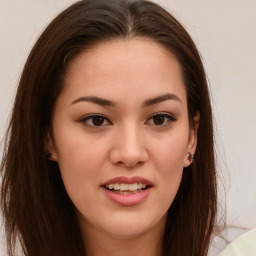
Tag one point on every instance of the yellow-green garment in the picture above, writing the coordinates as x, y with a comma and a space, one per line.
244, 245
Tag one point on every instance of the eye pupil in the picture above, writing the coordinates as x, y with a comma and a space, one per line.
159, 120
97, 121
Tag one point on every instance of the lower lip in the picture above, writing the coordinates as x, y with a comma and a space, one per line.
128, 200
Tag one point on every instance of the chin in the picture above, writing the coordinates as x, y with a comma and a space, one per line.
124, 232
132, 226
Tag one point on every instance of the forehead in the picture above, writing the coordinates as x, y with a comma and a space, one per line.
120, 66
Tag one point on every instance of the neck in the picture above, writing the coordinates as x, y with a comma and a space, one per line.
98, 243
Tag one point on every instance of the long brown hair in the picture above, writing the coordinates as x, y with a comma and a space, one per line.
36, 208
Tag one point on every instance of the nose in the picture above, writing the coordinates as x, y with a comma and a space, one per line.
129, 149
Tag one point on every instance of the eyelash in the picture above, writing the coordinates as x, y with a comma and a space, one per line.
88, 120
85, 120
164, 115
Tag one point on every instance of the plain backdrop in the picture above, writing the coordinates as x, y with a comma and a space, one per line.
225, 33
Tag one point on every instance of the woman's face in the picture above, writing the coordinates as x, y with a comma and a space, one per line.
121, 136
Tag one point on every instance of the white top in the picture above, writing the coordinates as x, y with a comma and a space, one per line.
244, 245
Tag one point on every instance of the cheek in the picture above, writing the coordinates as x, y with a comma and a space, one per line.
169, 153
80, 157
80, 177
169, 162
79, 151
79, 163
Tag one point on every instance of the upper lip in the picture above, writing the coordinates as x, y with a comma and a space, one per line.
128, 180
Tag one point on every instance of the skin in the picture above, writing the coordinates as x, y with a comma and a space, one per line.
129, 142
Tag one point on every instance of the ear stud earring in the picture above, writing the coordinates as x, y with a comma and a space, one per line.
190, 158
48, 155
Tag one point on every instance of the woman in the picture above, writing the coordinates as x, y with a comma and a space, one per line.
110, 147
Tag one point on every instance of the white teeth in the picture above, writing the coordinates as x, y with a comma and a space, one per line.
110, 186
126, 187
140, 185
116, 186
133, 187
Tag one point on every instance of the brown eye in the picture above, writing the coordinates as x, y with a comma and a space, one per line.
161, 119
95, 121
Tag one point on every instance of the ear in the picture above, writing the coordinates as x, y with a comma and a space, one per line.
192, 140
50, 149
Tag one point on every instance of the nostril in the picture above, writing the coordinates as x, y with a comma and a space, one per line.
130, 164
127, 157
138, 164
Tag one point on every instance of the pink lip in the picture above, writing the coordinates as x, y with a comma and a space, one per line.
130, 199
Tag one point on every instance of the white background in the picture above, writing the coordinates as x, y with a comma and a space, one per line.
225, 33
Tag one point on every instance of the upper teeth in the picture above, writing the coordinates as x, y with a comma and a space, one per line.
125, 187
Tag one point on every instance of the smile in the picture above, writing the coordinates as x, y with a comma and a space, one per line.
126, 191
125, 188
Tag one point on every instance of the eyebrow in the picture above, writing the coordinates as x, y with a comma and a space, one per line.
146, 103
161, 98
96, 100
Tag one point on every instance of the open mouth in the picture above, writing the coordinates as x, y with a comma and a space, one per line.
127, 189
